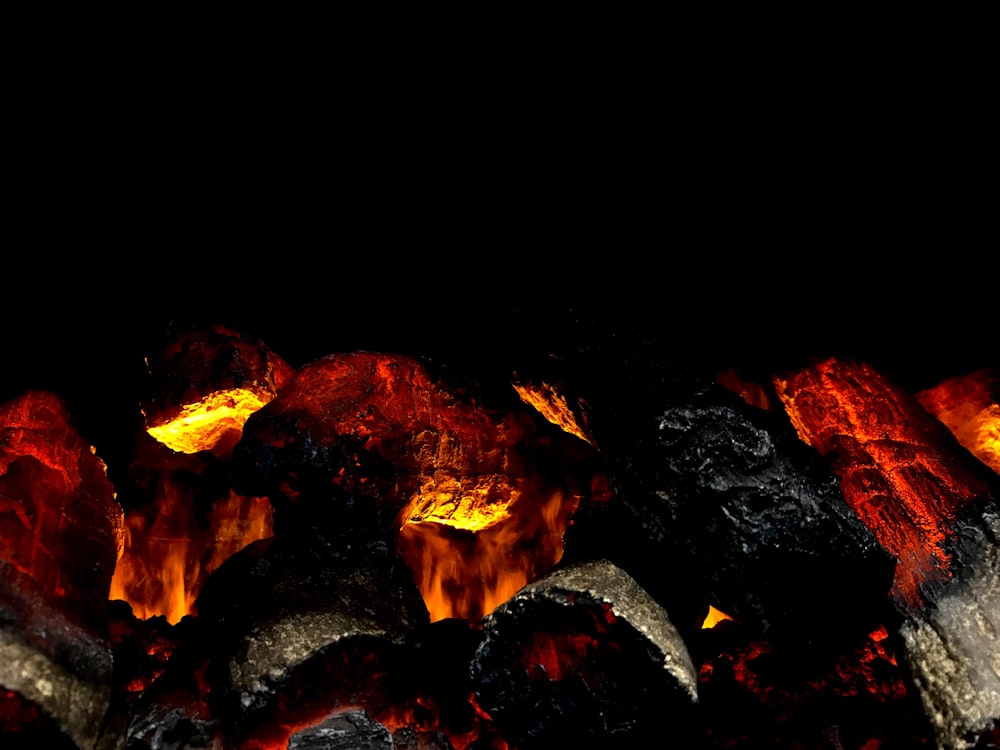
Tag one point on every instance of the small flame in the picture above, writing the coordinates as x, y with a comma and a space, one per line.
205, 423
714, 617
168, 556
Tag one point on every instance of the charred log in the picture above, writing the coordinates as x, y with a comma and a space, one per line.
582, 656
350, 730
934, 507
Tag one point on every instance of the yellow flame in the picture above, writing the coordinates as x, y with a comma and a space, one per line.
201, 425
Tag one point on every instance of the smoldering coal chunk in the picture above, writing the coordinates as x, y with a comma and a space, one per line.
354, 438
351, 730
749, 518
158, 725
584, 655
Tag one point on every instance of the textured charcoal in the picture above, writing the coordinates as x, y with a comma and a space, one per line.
583, 655
156, 726
751, 518
289, 619
351, 730
410, 739
354, 438
934, 506
952, 651
52, 661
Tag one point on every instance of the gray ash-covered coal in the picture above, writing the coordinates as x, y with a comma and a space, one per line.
52, 662
584, 657
952, 651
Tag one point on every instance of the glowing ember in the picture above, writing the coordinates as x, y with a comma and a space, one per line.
204, 384
968, 406
204, 424
375, 443
552, 405
886, 451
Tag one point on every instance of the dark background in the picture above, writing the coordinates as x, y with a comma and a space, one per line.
747, 217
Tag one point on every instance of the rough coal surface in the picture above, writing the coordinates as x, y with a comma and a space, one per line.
748, 516
584, 655
51, 660
952, 650
284, 617
351, 730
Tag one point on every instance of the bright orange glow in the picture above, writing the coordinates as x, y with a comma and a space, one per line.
552, 405
203, 424
168, 554
894, 470
468, 557
968, 406
714, 617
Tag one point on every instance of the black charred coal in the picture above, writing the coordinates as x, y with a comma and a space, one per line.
159, 725
584, 656
351, 730
724, 494
160, 701
52, 661
306, 627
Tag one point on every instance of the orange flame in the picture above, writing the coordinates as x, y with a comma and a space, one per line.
168, 557
469, 556
714, 617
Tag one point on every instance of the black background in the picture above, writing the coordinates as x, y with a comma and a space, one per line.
741, 220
